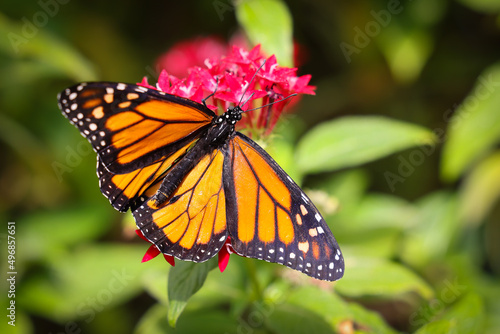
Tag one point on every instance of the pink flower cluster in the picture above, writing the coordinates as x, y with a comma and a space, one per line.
230, 77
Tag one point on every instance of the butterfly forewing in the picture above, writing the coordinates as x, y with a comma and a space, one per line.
272, 218
137, 132
131, 126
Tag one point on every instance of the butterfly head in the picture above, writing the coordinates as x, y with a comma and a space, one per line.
224, 125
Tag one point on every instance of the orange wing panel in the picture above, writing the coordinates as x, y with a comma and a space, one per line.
171, 112
259, 189
120, 189
192, 223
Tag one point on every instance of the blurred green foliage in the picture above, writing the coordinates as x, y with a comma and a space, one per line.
399, 149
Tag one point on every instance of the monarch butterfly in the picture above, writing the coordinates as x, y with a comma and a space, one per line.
192, 181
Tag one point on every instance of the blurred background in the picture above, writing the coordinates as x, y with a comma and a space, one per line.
399, 149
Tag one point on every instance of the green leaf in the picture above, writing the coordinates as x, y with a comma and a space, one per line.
268, 22
465, 316
293, 319
382, 242
374, 225
335, 311
486, 6
23, 324
223, 288
355, 140
406, 50
154, 321
281, 146
48, 233
380, 210
475, 126
370, 276
436, 225
184, 280
56, 56
82, 283
348, 187
199, 321
481, 189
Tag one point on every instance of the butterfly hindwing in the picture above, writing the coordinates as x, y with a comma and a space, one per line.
131, 126
124, 190
271, 218
191, 225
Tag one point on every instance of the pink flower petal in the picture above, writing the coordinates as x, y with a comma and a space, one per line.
223, 259
224, 254
170, 259
144, 83
164, 81
184, 55
151, 253
139, 233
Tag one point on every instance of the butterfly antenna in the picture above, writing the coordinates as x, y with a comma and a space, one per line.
265, 105
253, 77
249, 98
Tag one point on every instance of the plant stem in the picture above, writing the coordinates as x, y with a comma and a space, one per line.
252, 273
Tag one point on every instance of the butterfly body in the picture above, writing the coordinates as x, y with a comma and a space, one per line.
221, 129
192, 181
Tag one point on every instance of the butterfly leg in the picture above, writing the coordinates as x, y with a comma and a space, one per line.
209, 96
